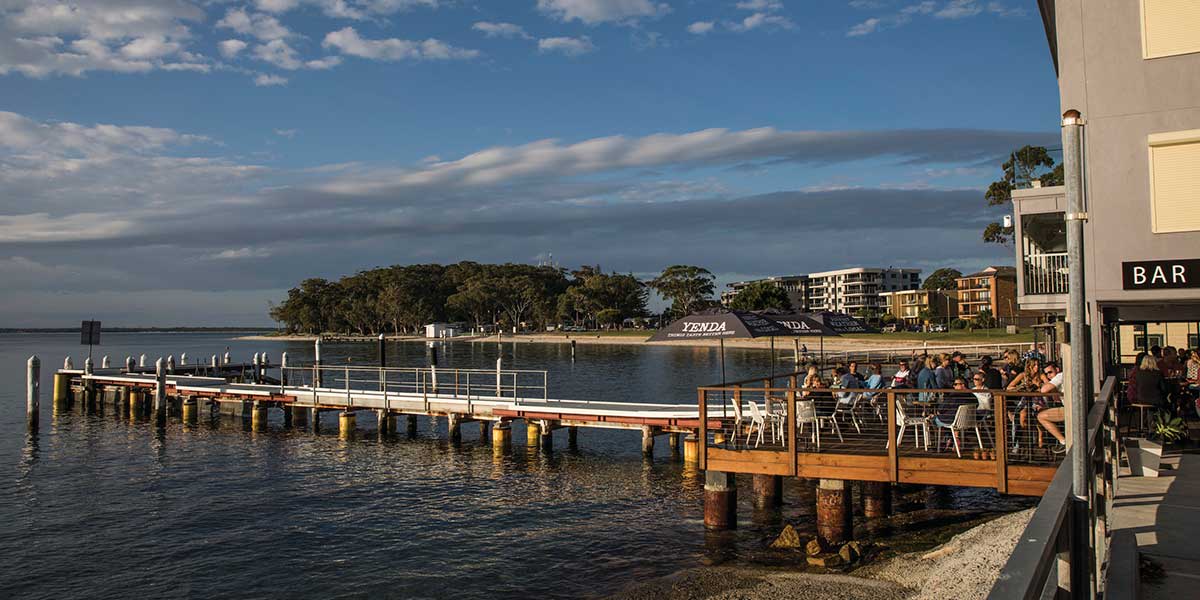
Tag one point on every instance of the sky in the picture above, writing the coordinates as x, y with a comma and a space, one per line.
185, 162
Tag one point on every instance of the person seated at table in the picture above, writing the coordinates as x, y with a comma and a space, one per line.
853, 370
992, 378
1170, 365
944, 372
1027, 381
903, 377
927, 379
846, 380
874, 380
1151, 387
1013, 365
948, 407
1049, 418
958, 364
812, 380
979, 382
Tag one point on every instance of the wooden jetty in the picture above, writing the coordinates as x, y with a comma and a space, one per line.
769, 428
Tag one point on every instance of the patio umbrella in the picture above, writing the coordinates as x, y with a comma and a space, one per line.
801, 325
841, 322
719, 324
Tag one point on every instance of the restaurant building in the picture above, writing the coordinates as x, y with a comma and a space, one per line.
1132, 69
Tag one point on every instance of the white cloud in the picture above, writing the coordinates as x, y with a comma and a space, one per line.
276, 6
230, 48
346, 9
261, 26
866, 27
348, 41
592, 12
40, 38
287, 133
701, 27
241, 253
761, 5
568, 46
264, 80
761, 20
504, 30
947, 10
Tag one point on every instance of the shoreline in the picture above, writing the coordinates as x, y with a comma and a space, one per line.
782, 345
964, 567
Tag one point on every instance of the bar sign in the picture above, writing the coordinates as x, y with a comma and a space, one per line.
1161, 274
89, 333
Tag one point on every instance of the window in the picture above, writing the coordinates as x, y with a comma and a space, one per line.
1174, 181
1170, 27
1139, 341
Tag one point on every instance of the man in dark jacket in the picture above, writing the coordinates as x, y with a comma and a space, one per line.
992, 379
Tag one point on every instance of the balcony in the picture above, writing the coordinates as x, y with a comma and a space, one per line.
1046, 273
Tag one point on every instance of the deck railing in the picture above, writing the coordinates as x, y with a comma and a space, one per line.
879, 435
1072, 532
453, 383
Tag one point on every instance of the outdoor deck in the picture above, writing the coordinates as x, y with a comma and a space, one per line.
851, 439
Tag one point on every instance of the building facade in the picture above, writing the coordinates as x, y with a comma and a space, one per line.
856, 290
846, 290
993, 289
1131, 68
796, 287
914, 307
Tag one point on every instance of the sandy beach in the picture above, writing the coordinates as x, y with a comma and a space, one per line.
963, 568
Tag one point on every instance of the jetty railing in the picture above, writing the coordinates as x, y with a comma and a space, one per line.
1072, 532
453, 383
885, 434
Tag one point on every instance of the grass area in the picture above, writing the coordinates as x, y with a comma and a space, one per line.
592, 334
981, 336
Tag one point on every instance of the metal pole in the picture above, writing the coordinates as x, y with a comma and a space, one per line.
160, 388
317, 362
33, 392
1079, 396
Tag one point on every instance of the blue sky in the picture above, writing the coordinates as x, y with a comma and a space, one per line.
239, 146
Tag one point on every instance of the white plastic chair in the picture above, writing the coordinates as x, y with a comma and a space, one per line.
848, 404
806, 414
776, 411
919, 425
756, 421
964, 419
738, 421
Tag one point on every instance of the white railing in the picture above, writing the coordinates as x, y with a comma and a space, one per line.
1046, 273
453, 383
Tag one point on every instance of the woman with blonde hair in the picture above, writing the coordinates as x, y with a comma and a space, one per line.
811, 380
1151, 387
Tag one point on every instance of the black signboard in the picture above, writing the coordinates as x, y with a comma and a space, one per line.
1161, 274
89, 333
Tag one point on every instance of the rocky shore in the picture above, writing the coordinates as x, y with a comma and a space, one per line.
963, 568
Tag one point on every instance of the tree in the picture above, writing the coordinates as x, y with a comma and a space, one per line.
761, 295
984, 319
1022, 167
688, 288
609, 317
942, 279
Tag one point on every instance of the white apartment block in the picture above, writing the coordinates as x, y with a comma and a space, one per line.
857, 289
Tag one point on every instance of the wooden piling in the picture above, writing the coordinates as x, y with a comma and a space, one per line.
647, 440
532, 433
299, 415
501, 436
484, 428
835, 512
258, 417
572, 437
62, 389
189, 411
411, 427
315, 413
385, 422
720, 500
876, 499
691, 451
346, 425
768, 491
454, 427
33, 393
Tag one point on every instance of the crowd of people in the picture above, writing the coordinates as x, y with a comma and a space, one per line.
1165, 378
931, 376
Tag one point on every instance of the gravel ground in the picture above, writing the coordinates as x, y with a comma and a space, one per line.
964, 568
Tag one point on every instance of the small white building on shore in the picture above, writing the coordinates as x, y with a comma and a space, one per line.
442, 330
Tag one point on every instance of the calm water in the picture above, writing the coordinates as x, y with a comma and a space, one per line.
96, 506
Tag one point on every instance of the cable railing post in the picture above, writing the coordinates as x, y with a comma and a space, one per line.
999, 416
893, 445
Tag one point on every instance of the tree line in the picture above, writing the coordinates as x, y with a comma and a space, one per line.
401, 299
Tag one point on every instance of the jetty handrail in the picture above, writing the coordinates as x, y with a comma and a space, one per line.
425, 381
1048, 537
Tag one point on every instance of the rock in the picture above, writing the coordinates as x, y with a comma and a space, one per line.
814, 547
826, 561
848, 553
788, 539
860, 547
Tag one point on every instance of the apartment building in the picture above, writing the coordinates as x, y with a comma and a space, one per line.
858, 289
1131, 68
993, 289
914, 307
796, 287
